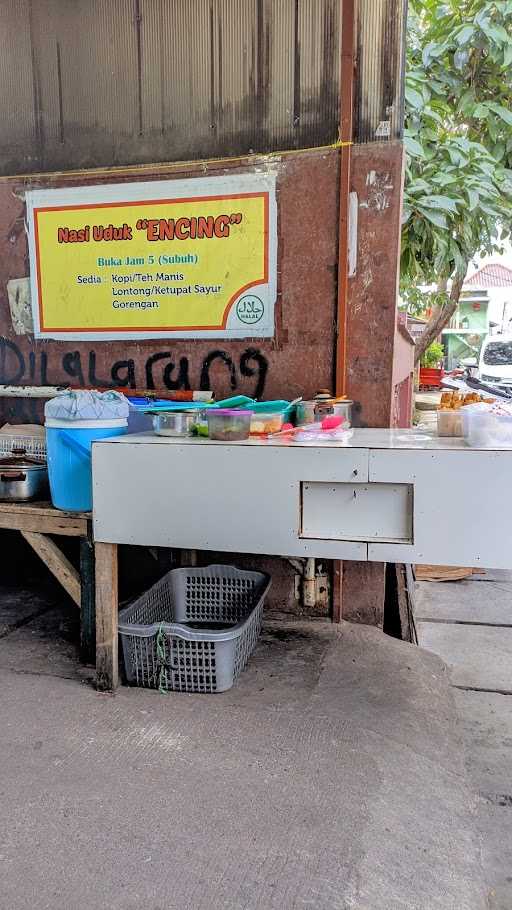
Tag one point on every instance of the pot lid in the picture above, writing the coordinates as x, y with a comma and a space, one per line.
24, 462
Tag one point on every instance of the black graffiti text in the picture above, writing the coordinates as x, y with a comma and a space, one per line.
161, 370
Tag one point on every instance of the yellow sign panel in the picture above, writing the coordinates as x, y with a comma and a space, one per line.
187, 258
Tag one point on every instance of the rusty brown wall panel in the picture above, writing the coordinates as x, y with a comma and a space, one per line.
300, 357
377, 178
299, 360
378, 109
87, 83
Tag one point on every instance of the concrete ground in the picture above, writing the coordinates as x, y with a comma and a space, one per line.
425, 410
331, 777
469, 625
427, 401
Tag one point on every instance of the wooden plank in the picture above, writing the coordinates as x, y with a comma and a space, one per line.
443, 573
64, 527
40, 508
107, 670
364, 588
88, 605
56, 562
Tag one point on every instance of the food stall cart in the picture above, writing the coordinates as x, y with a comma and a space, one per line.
381, 495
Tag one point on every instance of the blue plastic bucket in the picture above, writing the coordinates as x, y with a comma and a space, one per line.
69, 451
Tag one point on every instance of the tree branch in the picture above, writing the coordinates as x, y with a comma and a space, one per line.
440, 319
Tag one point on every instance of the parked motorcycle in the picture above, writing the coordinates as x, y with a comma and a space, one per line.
466, 381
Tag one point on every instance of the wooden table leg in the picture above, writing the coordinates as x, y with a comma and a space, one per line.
107, 670
337, 590
54, 560
87, 601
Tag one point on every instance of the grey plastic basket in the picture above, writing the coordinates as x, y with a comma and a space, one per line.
162, 653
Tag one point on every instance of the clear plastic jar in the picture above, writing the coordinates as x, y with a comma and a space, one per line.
229, 424
449, 422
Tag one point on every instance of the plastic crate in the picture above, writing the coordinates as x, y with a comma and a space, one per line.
162, 652
430, 377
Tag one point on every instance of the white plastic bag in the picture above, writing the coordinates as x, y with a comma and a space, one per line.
80, 405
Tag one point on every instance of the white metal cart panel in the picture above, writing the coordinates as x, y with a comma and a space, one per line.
462, 506
266, 497
196, 494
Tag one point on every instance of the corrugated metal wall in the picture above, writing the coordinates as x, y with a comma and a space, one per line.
378, 97
86, 83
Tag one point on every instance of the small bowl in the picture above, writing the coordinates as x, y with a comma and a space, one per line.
173, 423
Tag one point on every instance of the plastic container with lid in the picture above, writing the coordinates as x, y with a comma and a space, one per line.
338, 409
449, 422
265, 422
229, 424
486, 428
322, 406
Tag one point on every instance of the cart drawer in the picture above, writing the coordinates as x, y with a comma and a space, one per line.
357, 511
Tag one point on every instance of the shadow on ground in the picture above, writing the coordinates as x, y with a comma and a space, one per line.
329, 777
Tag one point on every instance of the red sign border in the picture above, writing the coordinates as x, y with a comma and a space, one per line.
149, 329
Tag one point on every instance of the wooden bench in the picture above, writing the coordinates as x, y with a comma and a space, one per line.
38, 522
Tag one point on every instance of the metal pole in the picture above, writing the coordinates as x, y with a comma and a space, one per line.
347, 63
348, 19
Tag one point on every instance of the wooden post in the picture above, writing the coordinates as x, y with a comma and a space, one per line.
188, 558
88, 602
107, 670
337, 591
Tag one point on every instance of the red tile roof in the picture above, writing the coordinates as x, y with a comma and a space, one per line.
492, 275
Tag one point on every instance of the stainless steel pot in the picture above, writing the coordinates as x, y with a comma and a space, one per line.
22, 479
174, 423
342, 409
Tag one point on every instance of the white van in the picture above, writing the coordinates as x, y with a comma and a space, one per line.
495, 365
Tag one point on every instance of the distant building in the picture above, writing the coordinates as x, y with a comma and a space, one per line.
492, 275
485, 307
467, 328
416, 326
496, 280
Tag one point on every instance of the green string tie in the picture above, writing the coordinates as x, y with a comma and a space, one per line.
161, 658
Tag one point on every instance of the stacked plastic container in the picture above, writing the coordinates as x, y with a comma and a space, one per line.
488, 426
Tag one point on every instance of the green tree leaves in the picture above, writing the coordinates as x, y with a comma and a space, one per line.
458, 137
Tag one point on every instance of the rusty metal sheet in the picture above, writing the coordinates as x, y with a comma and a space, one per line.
115, 82
378, 107
18, 94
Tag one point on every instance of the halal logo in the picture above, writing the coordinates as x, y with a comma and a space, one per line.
250, 309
